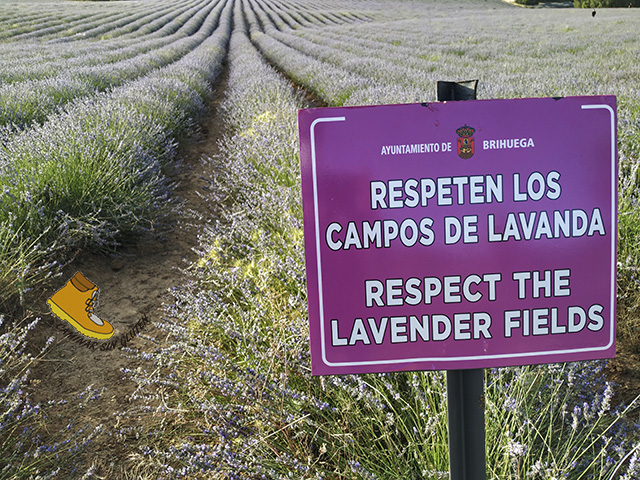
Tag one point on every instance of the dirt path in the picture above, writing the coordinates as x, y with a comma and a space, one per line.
132, 288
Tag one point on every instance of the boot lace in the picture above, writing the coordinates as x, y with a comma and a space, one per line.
89, 308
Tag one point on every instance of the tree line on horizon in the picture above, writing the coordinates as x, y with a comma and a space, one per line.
606, 3
591, 3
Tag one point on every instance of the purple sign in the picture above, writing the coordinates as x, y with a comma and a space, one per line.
460, 234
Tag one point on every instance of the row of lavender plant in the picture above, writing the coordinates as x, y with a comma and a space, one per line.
50, 20
55, 27
12, 14
332, 83
243, 402
46, 63
323, 80
113, 20
61, 23
57, 24
96, 170
149, 24
33, 100
282, 17
16, 21
12, 49
272, 15
159, 26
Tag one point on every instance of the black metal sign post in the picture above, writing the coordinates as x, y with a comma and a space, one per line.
457, 90
465, 408
465, 388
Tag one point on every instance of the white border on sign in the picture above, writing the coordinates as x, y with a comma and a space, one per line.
316, 217
471, 357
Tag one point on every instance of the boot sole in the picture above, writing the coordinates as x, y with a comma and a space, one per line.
58, 312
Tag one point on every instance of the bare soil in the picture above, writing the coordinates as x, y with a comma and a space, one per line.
624, 371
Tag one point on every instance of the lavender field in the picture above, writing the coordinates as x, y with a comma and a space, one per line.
98, 101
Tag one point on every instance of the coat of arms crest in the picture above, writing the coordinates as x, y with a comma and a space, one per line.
466, 142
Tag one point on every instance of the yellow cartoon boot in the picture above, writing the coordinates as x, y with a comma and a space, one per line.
74, 304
